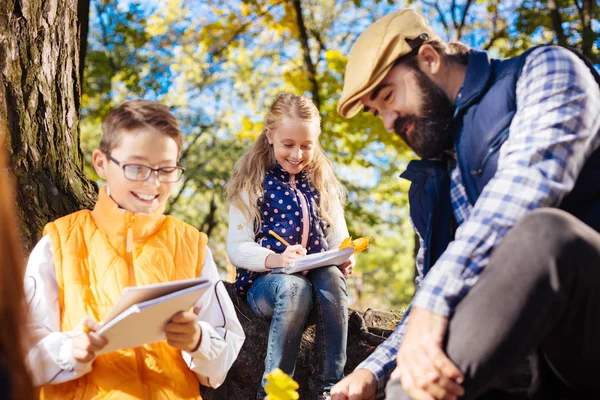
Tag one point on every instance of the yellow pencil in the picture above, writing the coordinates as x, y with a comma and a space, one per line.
276, 236
86, 329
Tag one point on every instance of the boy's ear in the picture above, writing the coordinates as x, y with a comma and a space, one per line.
100, 163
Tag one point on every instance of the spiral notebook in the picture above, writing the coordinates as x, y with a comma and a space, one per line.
140, 315
316, 260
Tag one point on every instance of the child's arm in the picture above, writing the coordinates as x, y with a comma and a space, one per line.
242, 249
50, 357
340, 229
221, 335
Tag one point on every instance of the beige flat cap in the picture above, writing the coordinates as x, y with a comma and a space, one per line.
375, 52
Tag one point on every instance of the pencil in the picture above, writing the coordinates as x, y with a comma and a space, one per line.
86, 329
276, 236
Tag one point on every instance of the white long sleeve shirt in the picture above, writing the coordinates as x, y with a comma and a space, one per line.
245, 253
51, 360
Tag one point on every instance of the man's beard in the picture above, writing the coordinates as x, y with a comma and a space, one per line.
431, 131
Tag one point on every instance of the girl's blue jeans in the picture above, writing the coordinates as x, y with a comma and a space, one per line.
287, 301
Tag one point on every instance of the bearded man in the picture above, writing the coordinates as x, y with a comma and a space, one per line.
506, 202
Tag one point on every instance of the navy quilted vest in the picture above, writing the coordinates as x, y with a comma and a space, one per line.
281, 211
482, 118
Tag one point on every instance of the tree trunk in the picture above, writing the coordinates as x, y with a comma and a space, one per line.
39, 107
556, 18
83, 14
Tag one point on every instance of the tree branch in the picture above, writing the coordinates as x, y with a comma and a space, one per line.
308, 63
463, 19
440, 12
557, 22
587, 34
174, 200
210, 222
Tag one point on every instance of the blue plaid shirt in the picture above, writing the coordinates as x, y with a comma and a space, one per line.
554, 131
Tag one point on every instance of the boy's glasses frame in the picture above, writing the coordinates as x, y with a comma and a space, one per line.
140, 173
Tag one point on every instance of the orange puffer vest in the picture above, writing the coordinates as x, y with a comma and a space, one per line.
96, 255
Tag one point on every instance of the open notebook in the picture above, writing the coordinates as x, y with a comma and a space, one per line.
316, 260
140, 315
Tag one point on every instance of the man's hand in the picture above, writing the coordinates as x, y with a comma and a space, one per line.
359, 385
347, 268
86, 342
424, 370
183, 331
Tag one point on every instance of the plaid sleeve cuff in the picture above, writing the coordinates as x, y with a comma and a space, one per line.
441, 291
382, 361
382, 373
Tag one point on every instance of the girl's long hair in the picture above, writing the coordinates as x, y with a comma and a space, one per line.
13, 307
249, 171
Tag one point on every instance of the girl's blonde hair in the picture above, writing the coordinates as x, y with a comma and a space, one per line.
249, 171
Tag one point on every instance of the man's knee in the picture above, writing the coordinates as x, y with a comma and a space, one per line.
393, 390
545, 227
540, 238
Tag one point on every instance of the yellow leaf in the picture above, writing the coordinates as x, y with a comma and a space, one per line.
280, 386
359, 244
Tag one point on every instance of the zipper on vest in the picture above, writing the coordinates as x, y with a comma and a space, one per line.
129, 247
129, 234
305, 213
139, 354
490, 152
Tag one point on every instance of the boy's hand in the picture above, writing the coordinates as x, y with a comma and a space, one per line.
183, 331
84, 345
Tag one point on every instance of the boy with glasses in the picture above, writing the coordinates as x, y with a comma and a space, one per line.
77, 272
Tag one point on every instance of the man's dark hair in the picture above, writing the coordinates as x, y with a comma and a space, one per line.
453, 52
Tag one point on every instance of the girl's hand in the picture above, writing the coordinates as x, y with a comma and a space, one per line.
183, 331
84, 345
347, 268
291, 253
281, 260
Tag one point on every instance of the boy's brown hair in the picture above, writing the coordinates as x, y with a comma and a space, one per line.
137, 114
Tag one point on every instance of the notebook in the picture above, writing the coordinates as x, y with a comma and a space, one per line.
140, 315
316, 260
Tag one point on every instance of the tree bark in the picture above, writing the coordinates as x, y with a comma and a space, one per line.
39, 107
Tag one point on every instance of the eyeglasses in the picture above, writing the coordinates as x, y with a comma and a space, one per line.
137, 172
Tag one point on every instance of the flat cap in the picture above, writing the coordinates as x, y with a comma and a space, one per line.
375, 52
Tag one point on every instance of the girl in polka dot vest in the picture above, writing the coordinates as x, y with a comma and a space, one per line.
285, 183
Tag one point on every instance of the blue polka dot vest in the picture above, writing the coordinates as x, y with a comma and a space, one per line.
281, 209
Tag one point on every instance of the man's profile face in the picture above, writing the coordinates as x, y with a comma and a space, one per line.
413, 106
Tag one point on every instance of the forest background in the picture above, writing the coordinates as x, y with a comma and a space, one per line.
219, 64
